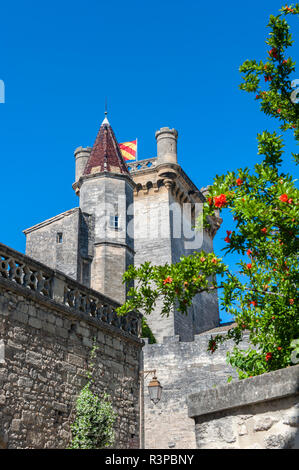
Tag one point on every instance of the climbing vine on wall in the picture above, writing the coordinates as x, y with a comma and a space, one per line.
93, 425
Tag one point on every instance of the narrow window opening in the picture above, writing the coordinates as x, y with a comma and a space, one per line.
59, 237
114, 221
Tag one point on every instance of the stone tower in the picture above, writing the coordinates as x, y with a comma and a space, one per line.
93, 243
166, 205
105, 188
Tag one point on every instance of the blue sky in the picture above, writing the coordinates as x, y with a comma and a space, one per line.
160, 63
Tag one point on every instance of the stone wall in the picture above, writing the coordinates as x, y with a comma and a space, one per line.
257, 413
48, 324
42, 243
181, 368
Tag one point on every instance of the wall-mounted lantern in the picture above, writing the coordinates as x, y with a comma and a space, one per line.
155, 392
154, 387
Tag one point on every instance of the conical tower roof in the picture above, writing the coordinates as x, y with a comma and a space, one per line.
105, 154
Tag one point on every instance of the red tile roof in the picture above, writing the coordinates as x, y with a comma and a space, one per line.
105, 154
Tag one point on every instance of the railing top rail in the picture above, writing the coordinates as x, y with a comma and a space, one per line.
142, 164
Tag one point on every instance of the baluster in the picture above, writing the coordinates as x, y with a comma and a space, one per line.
4, 267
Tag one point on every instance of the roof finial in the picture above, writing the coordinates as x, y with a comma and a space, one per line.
106, 112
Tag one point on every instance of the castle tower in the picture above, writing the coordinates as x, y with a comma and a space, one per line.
106, 192
166, 202
167, 145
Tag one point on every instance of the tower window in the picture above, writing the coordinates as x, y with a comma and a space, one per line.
114, 221
59, 237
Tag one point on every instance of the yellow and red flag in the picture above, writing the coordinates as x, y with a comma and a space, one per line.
129, 150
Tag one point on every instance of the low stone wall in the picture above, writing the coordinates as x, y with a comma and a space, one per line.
257, 413
48, 325
181, 368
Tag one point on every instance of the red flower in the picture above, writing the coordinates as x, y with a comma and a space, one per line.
279, 348
168, 280
257, 97
254, 303
264, 230
227, 239
290, 201
284, 198
273, 52
249, 252
220, 201
268, 78
239, 181
202, 259
268, 356
279, 110
284, 61
210, 201
215, 260
249, 266
291, 301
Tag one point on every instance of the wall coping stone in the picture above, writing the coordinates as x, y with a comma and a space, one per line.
171, 339
265, 387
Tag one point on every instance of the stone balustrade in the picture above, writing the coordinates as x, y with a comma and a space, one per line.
52, 284
142, 165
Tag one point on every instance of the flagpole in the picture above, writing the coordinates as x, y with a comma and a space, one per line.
136, 149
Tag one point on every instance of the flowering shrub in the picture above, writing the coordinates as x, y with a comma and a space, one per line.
262, 296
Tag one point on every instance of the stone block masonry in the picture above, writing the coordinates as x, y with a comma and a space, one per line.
257, 413
182, 368
48, 323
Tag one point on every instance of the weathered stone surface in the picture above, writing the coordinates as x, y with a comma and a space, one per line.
15, 425
279, 441
182, 368
44, 371
264, 423
267, 416
292, 419
283, 382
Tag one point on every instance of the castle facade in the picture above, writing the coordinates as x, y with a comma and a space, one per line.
129, 213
